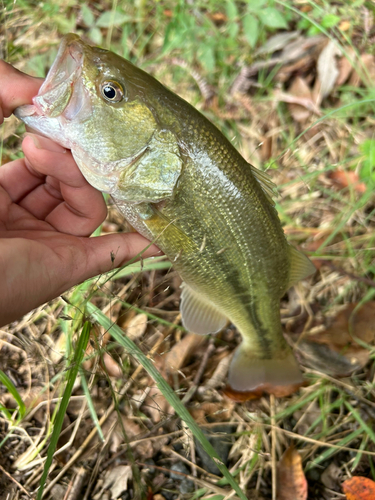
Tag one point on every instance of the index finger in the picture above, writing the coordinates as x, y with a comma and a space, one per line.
82, 208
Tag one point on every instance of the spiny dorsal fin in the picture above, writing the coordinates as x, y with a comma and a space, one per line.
198, 314
266, 183
300, 266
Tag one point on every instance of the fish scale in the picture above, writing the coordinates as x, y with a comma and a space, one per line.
180, 182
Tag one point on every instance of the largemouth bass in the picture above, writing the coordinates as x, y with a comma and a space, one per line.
177, 179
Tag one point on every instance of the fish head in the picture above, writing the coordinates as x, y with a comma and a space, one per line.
95, 103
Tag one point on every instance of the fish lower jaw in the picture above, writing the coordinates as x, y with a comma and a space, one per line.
100, 176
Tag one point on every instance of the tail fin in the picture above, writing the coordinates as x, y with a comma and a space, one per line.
250, 376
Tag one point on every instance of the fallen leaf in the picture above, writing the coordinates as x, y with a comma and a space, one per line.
112, 367
218, 18
176, 358
344, 25
212, 412
59, 349
359, 488
220, 373
345, 66
335, 350
324, 359
365, 71
331, 476
156, 405
327, 71
345, 179
291, 480
9, 127
299, 88
116, 480
137, 326
277, 42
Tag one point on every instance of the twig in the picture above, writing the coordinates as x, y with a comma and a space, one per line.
75, 492
190, 393
316, 441
14, 481
273, 445
368, 281
206, 90
197, 480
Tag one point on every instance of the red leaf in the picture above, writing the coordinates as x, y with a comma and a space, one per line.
345, 179
359, 488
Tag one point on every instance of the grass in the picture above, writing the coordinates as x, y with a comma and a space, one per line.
330, 420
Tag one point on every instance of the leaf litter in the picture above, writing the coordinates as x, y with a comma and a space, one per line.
321, 187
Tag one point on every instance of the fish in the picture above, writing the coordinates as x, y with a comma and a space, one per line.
181, 183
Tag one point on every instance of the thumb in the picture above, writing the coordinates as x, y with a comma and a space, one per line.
16, 89
105, 253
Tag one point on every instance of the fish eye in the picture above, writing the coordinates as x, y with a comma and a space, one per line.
112, 91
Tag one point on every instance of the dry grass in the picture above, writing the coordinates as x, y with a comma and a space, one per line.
329, 420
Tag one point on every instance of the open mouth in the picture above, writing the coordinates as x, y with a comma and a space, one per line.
60, 85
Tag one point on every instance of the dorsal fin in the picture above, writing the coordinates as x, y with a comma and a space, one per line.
300, 266
269, 187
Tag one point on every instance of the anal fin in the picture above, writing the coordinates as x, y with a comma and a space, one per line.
198, 314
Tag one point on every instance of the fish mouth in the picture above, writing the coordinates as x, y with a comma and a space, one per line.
63, 93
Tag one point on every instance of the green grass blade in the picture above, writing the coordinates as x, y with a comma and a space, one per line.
90, 404
71, 377
9, 385
366, 428
6, 412
166, 390
332, 451
147, 265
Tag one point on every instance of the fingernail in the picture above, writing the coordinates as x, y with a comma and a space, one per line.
44, 143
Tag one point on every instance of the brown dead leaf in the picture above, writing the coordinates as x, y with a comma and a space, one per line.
9, 127
365, 72
137, 326
291, 481
345, 66
344, 179
218, 412
349, 324
116, 480
156, 405
335, 350
176, 358
218, 18
359, 488
344, 25
327, 71
111, 366
322, 358
331, 476
278, 42
300, 89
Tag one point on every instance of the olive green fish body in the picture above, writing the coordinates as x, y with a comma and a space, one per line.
180, 182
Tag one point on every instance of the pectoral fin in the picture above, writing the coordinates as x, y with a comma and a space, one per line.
300, 266
198, 314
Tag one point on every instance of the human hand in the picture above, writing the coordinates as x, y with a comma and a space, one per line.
47, 212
